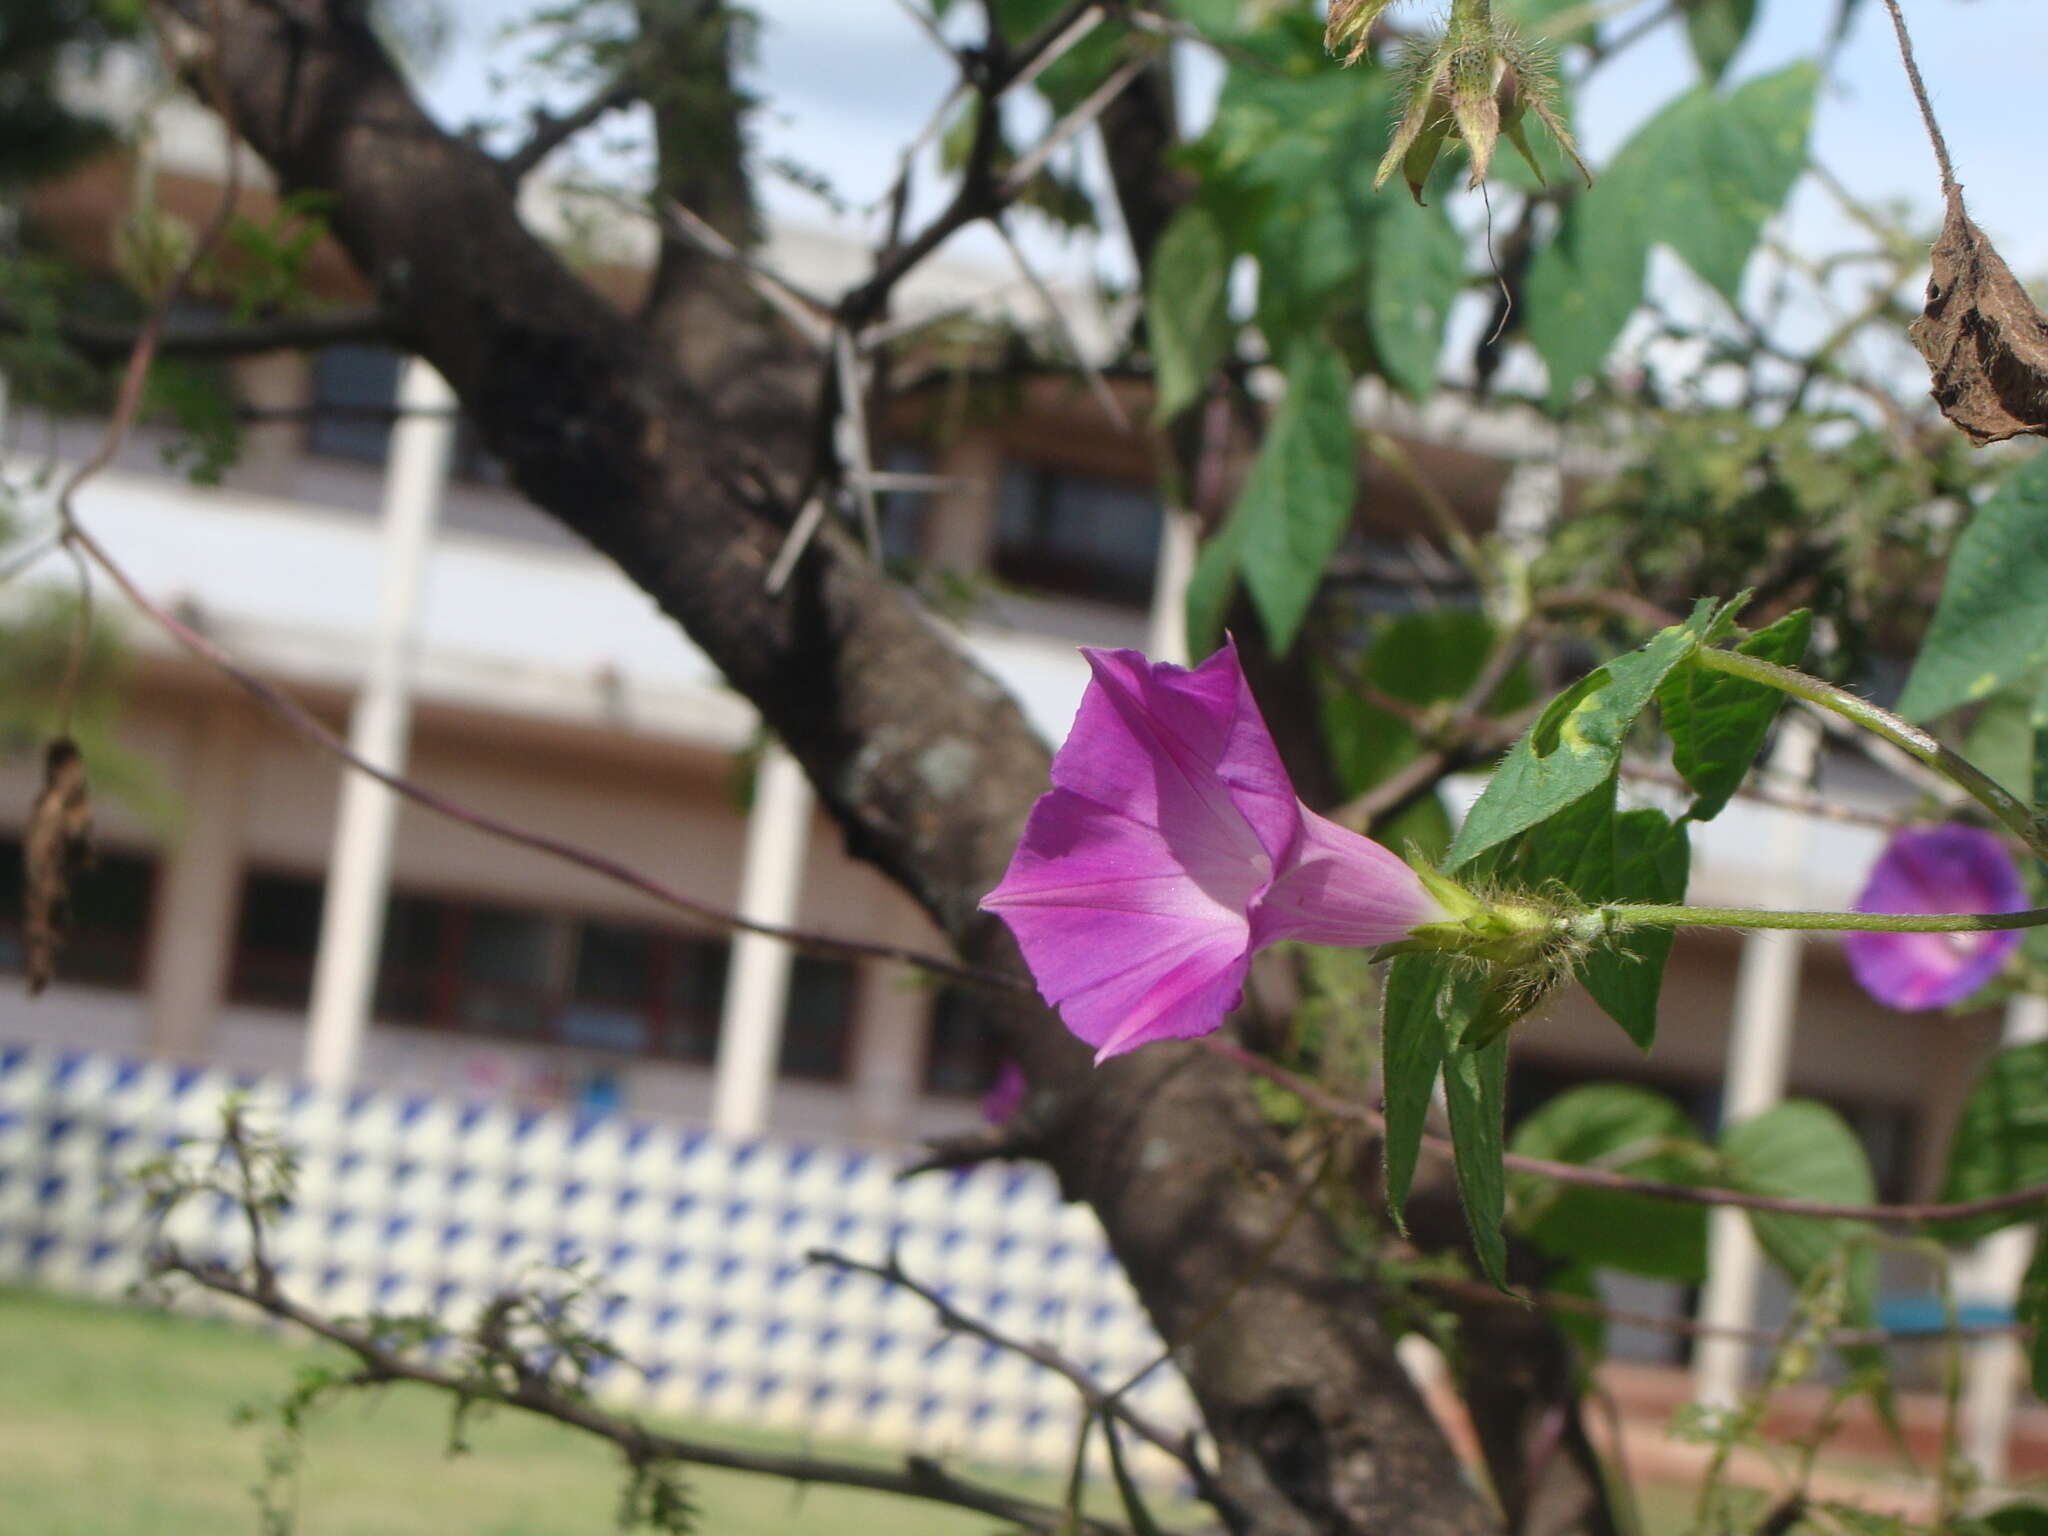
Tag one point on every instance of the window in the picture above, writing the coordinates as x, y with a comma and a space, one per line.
962, 1053
276, 938
817, 1025
517, 973
1078, 536
355, 390
901, 512
108, 939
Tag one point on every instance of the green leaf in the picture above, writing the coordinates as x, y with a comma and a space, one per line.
1652, 863
1187, 315
1718, 723
2001, 738
1701, 176
1582, 288
2030, 1310
1297, 501
1628, 1130
1422, 658
1417, 273
2001, 1139
1717, 29
1804, 1151
1475, 1093
1575, 744
1991, 626
1536, 18
2016, 1520
1601, 855
1412, 1032
1213, 586
2037, 718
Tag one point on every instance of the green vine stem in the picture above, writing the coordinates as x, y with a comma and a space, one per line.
2011, 811
1619, 917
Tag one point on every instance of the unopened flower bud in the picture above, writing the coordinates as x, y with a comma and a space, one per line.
1477, 82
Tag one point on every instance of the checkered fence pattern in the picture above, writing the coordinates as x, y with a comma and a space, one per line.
408, 1203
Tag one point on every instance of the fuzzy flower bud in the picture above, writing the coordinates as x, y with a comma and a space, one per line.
1477, 82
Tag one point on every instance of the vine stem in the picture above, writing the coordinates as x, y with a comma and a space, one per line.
2012, 812
1620, 917
1949, 186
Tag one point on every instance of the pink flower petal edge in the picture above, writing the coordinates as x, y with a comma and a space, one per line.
1171, 848
1949, 868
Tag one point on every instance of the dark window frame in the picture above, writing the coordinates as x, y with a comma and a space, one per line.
1040, 564
676, 1029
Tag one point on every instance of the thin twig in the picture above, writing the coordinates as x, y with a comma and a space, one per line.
811, 315
801, 532
918, 1478
1097, 385
297, 718
1030, 164
1949, 187
855, 450
550, 133
1096, 1397
128, 398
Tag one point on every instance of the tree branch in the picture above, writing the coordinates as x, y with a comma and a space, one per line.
919, 1478
550, 133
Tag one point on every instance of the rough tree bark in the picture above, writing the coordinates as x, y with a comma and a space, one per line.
660, 455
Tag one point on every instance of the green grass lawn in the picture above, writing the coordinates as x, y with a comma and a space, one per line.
119, 1422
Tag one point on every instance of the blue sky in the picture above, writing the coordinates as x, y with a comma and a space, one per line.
847, 82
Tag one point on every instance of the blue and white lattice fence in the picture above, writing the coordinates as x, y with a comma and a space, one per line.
410, 1203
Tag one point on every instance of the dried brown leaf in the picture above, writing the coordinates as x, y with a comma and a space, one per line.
57, 847
1984, 341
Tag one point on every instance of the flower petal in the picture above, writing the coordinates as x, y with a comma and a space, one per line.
1185, 751
1006, 1095
1342, 888
1948, 868
1914, 971
1120, 935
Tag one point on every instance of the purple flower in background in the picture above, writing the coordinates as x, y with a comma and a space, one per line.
1005, 1095
1171, 848
1949, 868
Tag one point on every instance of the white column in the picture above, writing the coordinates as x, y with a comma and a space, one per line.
380, 728
757, 986
1995, 1367
195, 927
1166, 636
1759, 1055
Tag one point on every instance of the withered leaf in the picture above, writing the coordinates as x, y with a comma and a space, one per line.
58, 846
1984, 341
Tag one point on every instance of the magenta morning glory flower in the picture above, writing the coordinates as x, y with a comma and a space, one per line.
1949, 868
1005, 1095
1171, 848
